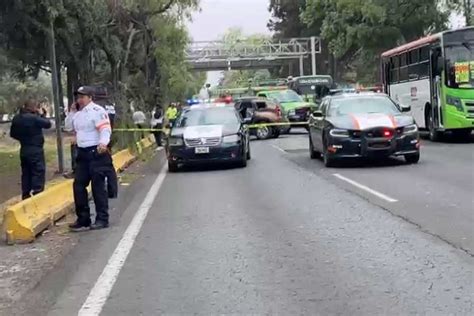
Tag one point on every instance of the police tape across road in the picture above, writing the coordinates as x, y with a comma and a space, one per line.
252, 126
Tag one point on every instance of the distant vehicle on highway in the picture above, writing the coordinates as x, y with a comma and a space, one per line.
260, 110
362, 125
208, 133
293, 105
435, 75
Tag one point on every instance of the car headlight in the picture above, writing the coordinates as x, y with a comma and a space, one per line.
292, 112
410, 129
231, 139
175, 141
336, 132
454, 101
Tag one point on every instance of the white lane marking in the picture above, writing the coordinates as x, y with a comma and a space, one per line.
104, 284
278, 148
365, 188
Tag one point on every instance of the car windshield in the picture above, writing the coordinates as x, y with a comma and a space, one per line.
361, 105
460, 65
285, 96
208, 116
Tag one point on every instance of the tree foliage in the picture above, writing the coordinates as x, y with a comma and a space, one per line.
356, 31
136, 48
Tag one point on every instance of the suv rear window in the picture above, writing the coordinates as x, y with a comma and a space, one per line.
261, 105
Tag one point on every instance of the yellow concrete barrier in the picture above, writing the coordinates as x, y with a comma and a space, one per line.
23, 221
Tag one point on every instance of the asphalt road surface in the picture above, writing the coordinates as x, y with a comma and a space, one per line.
283, 236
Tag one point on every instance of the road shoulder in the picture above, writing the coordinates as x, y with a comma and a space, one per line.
48, 263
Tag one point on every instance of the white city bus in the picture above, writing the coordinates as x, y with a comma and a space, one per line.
435, 76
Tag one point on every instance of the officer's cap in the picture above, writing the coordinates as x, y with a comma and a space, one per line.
85, 90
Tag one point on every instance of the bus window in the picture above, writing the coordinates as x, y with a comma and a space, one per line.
425, 53
413, 57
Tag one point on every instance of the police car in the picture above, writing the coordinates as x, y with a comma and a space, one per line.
209, 133
362, 125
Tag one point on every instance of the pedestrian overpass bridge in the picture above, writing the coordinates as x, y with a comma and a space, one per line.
219, 55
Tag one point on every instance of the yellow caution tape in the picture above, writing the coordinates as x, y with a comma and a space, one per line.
249, 126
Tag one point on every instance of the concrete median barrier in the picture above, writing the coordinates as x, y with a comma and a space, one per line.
23, 221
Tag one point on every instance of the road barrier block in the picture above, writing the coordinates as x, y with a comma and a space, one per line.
23, 221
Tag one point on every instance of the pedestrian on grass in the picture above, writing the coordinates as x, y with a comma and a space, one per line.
91, 124
27, 127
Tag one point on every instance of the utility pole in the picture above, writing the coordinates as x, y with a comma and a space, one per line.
56, 101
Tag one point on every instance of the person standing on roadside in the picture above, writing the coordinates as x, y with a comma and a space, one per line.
91, 124
171, 113
139, 119
157, 123
27, 127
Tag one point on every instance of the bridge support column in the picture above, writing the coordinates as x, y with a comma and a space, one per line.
313, 54
301, 65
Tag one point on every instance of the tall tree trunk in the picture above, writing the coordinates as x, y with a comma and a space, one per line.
71, 82
60, 88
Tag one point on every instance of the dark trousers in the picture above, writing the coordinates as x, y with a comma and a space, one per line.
140, 134
91, 167
157, 134
33, 171
73, 157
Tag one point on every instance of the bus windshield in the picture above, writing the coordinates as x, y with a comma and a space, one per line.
460, 65
285, 96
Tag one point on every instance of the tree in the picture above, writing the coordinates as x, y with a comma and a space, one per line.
107, 42
464, 7
358, 31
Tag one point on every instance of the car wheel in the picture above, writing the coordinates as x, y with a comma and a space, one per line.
276, 132
243, 162
263, 132
172, 166
435, 136
313, 153
412, 158
327, 159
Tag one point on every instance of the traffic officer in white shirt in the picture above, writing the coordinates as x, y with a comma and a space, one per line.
91, 125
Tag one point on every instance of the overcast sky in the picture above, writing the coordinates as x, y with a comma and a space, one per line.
218, 15
251, 16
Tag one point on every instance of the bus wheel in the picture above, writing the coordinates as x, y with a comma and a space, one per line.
435, 136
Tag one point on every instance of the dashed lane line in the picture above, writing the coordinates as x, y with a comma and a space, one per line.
279, 148
366, 188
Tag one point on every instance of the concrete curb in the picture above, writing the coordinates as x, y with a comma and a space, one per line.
23, 221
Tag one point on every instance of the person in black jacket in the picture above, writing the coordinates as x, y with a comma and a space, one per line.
27, 127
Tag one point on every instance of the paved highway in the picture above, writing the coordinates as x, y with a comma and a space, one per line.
283, 236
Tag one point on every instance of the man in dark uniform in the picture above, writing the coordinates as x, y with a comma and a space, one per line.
27, 127
91, 124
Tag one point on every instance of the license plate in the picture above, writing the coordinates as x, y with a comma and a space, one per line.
201, 150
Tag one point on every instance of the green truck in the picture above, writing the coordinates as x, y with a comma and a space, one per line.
295, 108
